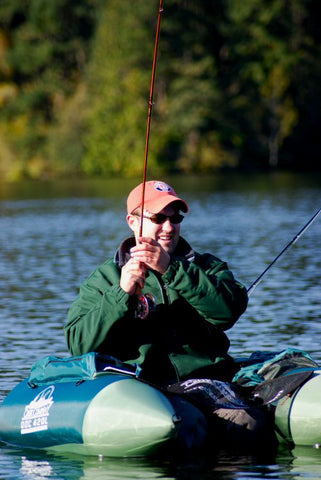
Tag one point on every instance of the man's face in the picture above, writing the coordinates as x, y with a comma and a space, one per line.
166, 234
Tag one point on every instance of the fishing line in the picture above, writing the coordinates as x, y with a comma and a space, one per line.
251, 289
149, 116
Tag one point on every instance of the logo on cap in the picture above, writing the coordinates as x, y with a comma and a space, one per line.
162, 187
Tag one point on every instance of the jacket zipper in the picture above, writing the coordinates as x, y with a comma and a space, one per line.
162, 287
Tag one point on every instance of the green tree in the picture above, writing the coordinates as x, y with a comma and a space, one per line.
260, 59
191, 98
46, 55
118, 88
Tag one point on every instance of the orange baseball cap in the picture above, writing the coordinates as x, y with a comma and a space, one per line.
157, 196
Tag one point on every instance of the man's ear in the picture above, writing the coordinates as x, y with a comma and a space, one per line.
133, 222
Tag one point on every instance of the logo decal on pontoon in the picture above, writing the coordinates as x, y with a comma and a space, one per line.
35, 416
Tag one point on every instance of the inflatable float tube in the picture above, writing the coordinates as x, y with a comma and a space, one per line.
298, 416
97, 406
113, 415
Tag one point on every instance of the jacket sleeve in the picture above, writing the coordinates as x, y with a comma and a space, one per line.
210, 287
100, 303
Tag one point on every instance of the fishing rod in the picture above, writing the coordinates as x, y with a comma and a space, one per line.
251, 289
145, 303
149, 116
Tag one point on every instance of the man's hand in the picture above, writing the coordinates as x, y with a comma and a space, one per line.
151, 254
133, 275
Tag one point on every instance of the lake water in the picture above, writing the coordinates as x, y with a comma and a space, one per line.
53, 235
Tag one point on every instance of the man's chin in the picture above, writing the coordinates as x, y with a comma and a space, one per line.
168, 246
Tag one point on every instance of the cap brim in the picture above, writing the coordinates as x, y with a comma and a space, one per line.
155, 206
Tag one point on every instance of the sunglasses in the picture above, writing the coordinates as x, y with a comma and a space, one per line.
160, 218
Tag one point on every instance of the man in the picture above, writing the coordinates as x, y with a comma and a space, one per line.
158, 304
162, 307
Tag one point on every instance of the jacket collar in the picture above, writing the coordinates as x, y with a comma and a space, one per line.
183, 250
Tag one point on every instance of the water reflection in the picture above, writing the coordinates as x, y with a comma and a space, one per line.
301, 463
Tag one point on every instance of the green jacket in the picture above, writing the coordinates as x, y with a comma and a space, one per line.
183, 337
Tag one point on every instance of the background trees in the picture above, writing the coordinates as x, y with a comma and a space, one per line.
43, 58
237, 86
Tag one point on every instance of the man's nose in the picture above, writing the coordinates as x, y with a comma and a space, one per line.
168, 225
